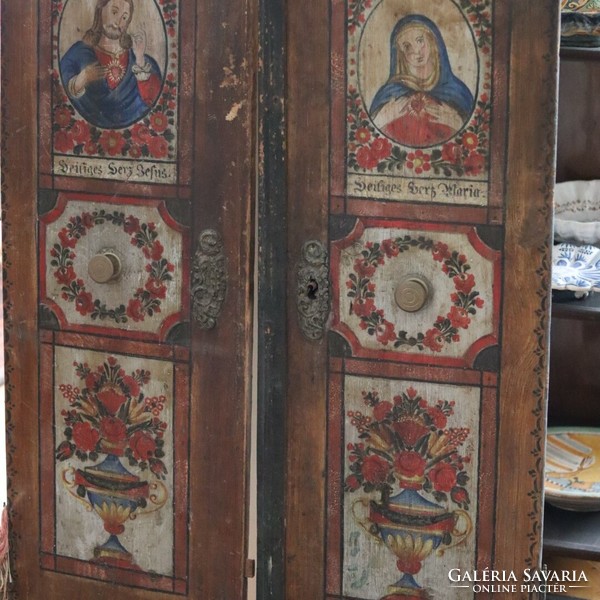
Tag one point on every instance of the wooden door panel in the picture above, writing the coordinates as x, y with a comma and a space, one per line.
407, 416
128, 231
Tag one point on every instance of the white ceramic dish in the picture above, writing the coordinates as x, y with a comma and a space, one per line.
572, 473
577, 212
576, 268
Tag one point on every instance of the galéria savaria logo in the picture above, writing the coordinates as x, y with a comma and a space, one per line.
513, 582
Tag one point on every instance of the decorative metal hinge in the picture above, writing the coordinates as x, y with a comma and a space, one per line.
209, 279
313, 290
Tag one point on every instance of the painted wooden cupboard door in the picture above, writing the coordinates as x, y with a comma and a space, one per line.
419, 163
127, 163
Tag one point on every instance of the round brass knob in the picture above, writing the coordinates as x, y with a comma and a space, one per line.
104, 267
412, 293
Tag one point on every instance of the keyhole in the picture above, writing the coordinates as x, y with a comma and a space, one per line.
313, 288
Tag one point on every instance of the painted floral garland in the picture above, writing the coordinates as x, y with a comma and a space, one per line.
152, 137
465, 300
466, 154
146, 301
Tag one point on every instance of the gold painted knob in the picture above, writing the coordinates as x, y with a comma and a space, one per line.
412, 293
104, 267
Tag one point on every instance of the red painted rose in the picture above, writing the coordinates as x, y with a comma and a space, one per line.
381, 148
385, 332
113, 430
352, 483
375, 469
443, 477
112, 142
156, 288
158, 147
390, 248
440, 252
451, 153
364, 268
410, 464
140, 134
64, 275
80, 132
63, 141
464, 282
85, 437
366, 158
135, 309
433, 340
363, 307
474, 163
381, 410
131, 225
84, 303
459, 317
142, 445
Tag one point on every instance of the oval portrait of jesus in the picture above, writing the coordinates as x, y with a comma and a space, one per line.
112, 59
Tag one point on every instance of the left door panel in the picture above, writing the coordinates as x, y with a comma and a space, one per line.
127, 163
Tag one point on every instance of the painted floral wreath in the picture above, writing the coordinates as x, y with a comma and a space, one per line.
445, 330
146, 301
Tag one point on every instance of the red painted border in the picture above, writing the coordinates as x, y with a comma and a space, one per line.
81, 568
397, 370
487, 477
478, 245
335, 458
338, 99
181, 402
136, 348
417, 211
160, 205
47, 461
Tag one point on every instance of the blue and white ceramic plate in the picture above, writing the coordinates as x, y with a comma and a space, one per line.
576, 268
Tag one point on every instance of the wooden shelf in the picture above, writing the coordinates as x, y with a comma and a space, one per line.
581, 53
584, 309
570, 533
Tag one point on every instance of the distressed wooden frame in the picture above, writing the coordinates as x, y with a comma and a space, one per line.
520, 213
220, 195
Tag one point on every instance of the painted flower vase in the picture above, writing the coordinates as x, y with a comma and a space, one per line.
117, 496
412, 528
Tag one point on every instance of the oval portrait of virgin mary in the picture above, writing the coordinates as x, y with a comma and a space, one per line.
423, 102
